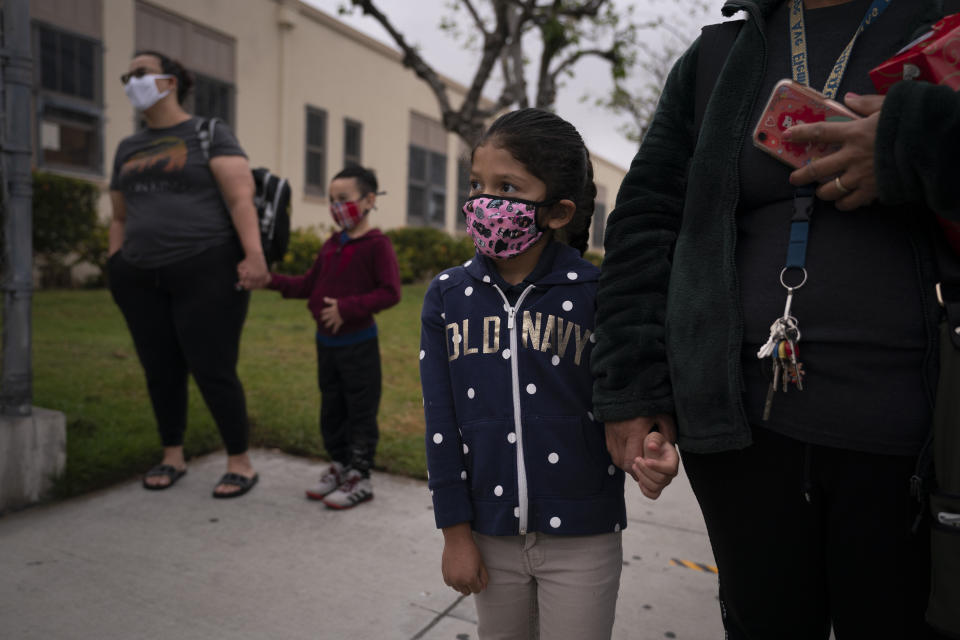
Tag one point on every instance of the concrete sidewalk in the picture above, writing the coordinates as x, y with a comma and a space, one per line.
124, 563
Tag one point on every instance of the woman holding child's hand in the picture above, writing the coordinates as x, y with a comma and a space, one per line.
184, 243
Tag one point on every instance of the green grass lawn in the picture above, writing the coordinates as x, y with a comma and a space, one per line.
84, 365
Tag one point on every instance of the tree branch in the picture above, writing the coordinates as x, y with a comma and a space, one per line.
493, 44
554, 10
587, 10
607, 54
476, 16
411, 58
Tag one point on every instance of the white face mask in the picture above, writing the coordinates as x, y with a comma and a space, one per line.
143, 92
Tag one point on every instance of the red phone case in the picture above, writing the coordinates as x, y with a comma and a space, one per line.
792, 103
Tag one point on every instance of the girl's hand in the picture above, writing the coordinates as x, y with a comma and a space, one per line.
462, 566
658, 465
330, 316
625, 439
847, 175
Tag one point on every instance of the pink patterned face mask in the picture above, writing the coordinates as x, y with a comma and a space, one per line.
346, 214
502, 228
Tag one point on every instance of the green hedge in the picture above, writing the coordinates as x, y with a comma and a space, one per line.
593, 257
304, 246
421, 252
66, 230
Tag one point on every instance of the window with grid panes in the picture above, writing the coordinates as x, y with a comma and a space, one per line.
352, 143
69, 105
208, 54
316, 150
211, 98
426, 188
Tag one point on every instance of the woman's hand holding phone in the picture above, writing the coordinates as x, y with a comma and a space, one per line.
792, 104
847, 176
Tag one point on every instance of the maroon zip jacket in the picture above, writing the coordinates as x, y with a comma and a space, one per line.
362, 275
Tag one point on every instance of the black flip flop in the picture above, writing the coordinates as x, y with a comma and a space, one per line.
165, 470
235, 480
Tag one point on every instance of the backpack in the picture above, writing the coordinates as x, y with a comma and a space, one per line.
272, 200
936, 481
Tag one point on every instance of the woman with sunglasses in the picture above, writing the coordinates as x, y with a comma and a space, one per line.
184, 249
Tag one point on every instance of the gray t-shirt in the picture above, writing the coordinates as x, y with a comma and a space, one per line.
174, 207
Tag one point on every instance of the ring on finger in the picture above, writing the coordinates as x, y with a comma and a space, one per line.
842, 189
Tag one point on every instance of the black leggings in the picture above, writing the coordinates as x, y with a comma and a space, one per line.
790, 567
187, 318
349, 380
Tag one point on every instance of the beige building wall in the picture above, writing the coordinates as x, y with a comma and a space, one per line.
607, 176
288, 56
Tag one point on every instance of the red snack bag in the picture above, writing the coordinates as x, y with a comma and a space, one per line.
933, 57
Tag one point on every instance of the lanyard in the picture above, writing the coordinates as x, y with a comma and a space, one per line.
803, 197
798, 45
782, 345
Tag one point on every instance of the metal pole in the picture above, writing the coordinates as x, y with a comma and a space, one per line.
16, 379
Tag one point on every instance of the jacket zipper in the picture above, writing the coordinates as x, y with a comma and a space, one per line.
754, 11
517, 422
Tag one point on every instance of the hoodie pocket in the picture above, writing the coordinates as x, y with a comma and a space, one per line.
566, 456
491, 458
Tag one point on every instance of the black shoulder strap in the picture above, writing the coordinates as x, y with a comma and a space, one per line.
716, 40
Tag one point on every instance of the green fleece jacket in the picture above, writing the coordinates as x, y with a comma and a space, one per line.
669, 317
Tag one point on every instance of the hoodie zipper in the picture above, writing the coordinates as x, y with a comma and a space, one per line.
515, 384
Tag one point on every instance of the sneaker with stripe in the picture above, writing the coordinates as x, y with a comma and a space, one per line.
329, 481
356, 488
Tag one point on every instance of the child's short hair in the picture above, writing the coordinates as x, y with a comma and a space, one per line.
366, 178
552, 150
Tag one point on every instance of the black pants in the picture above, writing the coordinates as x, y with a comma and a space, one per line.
349, 380
790, 567
187, 317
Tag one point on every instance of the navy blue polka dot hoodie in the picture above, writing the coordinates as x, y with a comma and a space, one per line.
512, 443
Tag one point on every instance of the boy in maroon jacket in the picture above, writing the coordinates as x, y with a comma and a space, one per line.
354, 276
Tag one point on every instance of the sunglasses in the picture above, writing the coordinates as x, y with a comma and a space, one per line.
139, 72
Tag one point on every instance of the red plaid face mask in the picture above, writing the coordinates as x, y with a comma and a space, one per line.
346, 214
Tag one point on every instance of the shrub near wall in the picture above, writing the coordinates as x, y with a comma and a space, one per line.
65, 227
304, 246
423, 252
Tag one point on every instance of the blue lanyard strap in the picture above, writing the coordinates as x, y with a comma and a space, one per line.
803, 198
798, 46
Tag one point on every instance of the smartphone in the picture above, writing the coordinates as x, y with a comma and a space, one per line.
792, 103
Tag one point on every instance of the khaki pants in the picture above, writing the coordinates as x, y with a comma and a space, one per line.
568, 584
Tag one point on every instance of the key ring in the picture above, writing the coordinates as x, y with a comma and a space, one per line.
788, 287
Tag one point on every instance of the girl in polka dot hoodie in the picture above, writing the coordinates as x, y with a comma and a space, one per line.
530, 503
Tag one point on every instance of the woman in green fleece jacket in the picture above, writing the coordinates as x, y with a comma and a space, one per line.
805, 493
